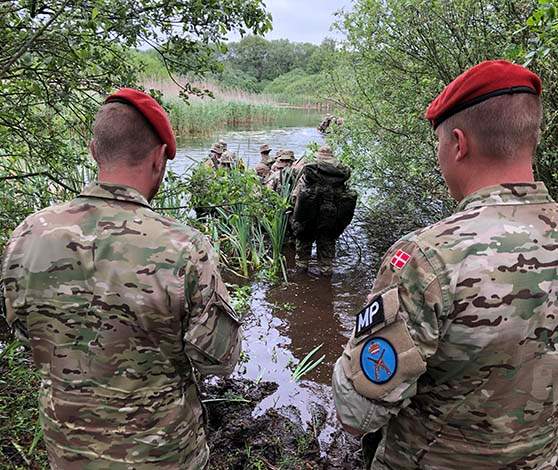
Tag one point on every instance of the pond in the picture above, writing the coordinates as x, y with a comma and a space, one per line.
287, 321
295, 131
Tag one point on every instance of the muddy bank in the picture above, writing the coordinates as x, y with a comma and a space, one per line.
276, 439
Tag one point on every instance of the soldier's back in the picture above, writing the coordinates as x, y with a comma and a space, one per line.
99, 282
489, 397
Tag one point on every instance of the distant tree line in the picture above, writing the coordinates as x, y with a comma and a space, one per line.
256, 65
255, 62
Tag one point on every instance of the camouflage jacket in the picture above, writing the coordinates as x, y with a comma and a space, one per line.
119, 304
455, 357
281, 178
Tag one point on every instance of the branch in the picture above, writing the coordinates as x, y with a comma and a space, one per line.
32, 39
39, 173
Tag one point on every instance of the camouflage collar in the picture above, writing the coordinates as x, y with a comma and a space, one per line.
115, 192
506, 194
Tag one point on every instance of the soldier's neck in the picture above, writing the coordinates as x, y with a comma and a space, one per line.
482, 177
128, 177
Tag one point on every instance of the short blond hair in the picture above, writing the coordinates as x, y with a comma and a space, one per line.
122, 134
502, 125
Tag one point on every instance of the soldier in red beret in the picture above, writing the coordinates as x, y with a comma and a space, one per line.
452, 363
119, 305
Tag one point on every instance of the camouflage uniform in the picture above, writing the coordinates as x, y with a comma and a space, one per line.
281, 171
265, 150
119, 305
214, 158
227, 160
470, 306
326, 122
262, 170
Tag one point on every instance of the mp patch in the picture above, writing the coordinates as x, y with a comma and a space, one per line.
378, 360
370, 316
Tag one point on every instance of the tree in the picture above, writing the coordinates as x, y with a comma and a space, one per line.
397, 56
540, 53
59, 58
267, 60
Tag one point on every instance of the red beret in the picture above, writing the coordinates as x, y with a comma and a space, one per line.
152, 111
481, 82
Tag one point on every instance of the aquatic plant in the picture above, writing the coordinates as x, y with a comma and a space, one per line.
236, 226
247, 220
307, 364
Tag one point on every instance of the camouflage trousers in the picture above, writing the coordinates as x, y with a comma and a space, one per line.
325, 249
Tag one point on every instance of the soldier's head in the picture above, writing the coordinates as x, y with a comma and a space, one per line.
265, 150
487, 122
324, 153
273, 158
216, 150
286, 158
132, 140
262, 170
223, 145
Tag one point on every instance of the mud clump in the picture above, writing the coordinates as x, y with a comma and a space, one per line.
275, 440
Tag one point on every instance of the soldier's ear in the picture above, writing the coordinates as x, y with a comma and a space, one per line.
159, 157
93, 150
462, 144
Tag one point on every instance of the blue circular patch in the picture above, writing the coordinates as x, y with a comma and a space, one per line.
378, 360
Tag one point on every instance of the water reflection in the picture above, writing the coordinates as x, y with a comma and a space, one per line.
288, 321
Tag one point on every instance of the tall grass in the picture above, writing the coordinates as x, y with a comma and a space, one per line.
236, 226
171, 91
248, 220
276, 222
21, 444
205, 117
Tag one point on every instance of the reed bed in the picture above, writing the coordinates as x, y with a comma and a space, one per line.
203, 118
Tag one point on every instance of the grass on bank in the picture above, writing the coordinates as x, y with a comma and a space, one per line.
21, 439
277, 97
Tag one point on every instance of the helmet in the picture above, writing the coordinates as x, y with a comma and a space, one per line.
286, 155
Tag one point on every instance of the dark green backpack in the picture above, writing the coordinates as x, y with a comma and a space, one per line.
324, 206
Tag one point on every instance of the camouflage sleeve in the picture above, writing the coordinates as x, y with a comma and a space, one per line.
10, 275
394, 336
271, 182
212, 331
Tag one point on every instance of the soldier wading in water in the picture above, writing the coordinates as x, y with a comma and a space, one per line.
464, 313
119, 305
323, 207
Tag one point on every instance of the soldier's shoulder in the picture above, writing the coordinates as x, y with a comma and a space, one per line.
430, 246
468, 223
43, 219
171, 230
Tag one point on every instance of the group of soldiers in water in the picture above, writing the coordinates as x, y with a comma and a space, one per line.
267, 169
322, 205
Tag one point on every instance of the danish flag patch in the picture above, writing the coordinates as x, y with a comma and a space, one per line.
400, 259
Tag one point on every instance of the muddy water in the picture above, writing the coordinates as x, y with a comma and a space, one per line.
288, 321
